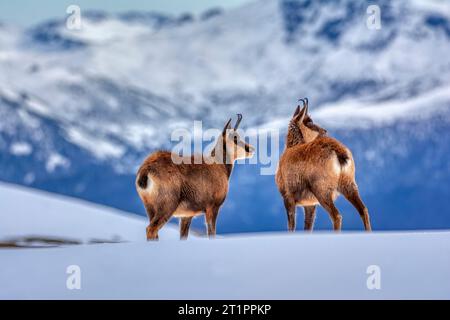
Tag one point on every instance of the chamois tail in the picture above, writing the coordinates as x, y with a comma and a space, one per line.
343, 155
343, 158
142, 179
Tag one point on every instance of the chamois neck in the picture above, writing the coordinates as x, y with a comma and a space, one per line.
224, 159
226, 162
228, 168
294, 136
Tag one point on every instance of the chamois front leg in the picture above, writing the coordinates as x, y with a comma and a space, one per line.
289, 204
310, 216
185, 223
211, 219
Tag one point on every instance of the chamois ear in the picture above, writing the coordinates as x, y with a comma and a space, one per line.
227, 127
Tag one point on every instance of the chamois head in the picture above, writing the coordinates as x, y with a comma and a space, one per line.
233, 146
302, 128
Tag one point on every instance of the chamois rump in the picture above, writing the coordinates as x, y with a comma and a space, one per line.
314, 169
187, 189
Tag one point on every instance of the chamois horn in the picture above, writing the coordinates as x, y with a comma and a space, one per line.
238, 121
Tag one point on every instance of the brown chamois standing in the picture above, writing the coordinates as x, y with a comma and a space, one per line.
189, 189
315, 169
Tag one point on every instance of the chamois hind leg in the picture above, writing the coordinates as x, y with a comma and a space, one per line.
185, 223
310, 216
155, 224
325, 198
351, 193
289, 204
211, 219
158, 218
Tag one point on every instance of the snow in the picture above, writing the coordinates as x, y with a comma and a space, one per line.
56, 160
365, 114
437, 6
98, 146
29, 178
254, 266
358, 113
266, 266
31, 213
21, 148
108, 31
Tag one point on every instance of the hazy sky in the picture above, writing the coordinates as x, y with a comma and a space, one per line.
27, 12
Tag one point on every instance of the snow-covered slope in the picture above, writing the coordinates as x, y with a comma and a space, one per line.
31, 217
270, 266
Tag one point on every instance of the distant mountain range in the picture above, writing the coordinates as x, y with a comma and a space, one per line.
80, 109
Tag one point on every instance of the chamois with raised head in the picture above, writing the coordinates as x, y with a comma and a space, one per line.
314, 169
187, 189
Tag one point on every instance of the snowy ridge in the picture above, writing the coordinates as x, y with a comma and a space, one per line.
27, 213
264, 266
352, 114
422, 107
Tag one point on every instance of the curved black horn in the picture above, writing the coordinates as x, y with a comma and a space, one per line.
227, 126
300, 115
297, 110
238, 121
304, 101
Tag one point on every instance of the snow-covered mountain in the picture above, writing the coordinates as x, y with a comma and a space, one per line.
80, 109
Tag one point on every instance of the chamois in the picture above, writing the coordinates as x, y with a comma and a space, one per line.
189, 189
315, 169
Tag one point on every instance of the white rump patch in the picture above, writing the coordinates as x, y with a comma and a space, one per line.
336, 166
346, 166
150, 184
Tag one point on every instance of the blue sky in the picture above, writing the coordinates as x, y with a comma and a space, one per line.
27, 12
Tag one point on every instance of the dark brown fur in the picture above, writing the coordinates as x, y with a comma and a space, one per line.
315, 169
187, 189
